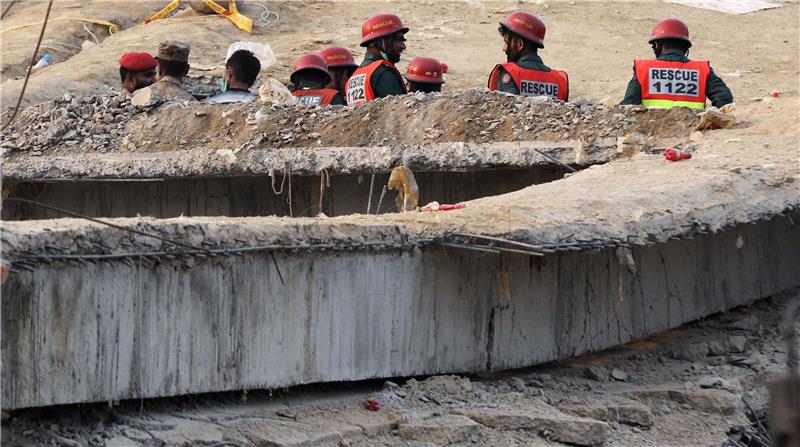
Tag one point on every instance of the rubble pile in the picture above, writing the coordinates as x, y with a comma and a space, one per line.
93, 122
101, 123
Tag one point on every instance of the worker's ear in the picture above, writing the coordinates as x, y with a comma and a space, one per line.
228, 74
518, 45
129, 82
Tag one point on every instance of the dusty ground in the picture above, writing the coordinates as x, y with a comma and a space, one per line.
686, 387
463, 34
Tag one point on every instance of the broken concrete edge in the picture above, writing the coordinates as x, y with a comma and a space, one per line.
28, 243
557, 427
448, 157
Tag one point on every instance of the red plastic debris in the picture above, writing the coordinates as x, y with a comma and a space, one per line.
372, 405
776, 94
673, 154
444, 67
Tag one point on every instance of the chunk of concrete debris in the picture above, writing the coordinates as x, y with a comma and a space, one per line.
186, 432
121, 441
705, 400
597, 373
553, 426
618, 374
443, 430
621, 411
517, 383
715, 382
284, 433
691, 353
731, 345
444, 384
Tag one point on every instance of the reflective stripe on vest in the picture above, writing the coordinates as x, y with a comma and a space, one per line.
315, 97
553, 83
359, 86
670, 84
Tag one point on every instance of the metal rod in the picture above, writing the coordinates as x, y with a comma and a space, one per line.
499, 239
380, 200
371, 186
91, 219
471, 247
556, 161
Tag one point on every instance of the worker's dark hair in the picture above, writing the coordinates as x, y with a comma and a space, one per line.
173, 68
123, 73
512, 35
339, 73
311, 75
675, 44
244, 66
425, 87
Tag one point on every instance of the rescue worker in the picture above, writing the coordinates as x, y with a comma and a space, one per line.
384, 37
672, 80
136, 70
310, 76
241, 71
173, 65
424, 74
525, 74
341, 66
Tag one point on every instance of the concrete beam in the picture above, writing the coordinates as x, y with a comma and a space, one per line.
104, 331
449, 157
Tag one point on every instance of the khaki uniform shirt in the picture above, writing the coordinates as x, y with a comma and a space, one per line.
169, 87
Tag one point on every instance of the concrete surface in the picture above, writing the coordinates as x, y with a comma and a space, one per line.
105, 331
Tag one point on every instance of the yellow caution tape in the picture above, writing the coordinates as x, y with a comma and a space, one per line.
112, 27
241, 21
163, 13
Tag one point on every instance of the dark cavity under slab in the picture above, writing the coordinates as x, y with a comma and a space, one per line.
254, 196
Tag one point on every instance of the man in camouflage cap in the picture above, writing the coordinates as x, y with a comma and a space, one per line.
173, 64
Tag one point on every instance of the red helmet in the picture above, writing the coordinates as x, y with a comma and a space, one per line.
526, 25
338, 57
381, 25
670, 29
426, 70
310, 62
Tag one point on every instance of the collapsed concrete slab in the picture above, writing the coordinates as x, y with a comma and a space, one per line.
572, 266
84, 329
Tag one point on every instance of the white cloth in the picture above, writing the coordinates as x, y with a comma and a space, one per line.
729, 6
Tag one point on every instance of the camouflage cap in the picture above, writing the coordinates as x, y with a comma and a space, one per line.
172, 50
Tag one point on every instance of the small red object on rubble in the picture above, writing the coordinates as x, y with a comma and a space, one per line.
776, 94
372, 405
673, 154
436, 206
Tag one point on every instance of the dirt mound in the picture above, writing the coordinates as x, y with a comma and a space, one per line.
107, 123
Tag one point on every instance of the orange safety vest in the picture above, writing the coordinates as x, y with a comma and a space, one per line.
315, 97
671, 84
359, 86
553, 83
